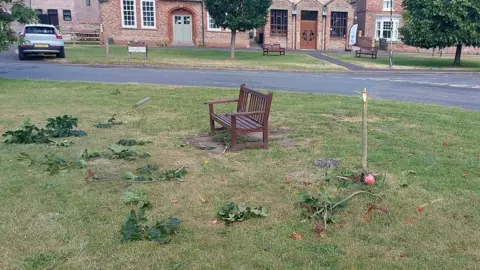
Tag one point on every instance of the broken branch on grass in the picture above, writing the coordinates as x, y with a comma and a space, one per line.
141, 102
201, 198
357, 193
327, 207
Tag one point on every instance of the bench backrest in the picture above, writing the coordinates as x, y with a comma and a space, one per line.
365, 49
250, 100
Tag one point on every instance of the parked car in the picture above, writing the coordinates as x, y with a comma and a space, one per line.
40, 39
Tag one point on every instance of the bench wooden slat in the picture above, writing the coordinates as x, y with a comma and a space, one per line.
243, 122
251, 122
253, 110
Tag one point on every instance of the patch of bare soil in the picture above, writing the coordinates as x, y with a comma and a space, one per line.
204, 142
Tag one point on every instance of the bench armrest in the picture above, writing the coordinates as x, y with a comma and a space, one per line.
244, 113
222, 101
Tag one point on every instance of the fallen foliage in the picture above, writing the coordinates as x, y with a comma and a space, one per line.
152, 173
136, 228
110, 122
119, 152
63, 126
27, 134
132, 142
233, 212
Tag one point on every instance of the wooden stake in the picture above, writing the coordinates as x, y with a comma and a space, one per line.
364, 130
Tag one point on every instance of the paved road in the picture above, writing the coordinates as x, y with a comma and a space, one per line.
459, 90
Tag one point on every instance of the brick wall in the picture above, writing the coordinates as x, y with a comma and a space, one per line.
293, 38
83, 17
163, 32
374, 8
284, 41
336, 43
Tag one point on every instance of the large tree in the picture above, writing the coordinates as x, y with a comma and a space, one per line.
10, 11
442, 23
238, 16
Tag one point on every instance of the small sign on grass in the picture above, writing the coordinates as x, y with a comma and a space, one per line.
137, 48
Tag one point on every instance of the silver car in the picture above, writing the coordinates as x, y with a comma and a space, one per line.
40, 39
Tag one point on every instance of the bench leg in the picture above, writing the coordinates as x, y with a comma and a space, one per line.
212, 122
234, 139
265, 138
234, 133
212, 127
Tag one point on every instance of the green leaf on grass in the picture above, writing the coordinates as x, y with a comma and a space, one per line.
232, 212
88, 154
62, 126
129, 176
80, 164
135, 227
132, 142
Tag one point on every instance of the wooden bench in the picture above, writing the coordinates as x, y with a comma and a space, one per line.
253, 110
273, 48
366, 51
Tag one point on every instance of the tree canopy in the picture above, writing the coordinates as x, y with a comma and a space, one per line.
441, 24
238, 15
10, 11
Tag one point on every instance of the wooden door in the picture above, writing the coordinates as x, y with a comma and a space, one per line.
182, 28
308, 30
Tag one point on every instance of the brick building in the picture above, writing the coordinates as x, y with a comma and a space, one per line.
374, 22
176, 22
309, 24
295, 24
68, 14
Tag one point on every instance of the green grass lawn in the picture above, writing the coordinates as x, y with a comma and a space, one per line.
400, 60
198, 58
62, 222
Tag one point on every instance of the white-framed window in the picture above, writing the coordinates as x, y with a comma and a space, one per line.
387, 4
386, 28
129, 19
212, 26
148, 13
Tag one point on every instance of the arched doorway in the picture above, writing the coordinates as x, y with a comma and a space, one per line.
182, 26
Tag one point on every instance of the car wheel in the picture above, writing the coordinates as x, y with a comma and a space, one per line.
21, 55
62, 53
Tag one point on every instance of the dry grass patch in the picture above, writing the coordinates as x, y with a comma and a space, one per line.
197, 58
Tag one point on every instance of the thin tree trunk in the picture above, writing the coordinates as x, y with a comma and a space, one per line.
458, 55
232, 45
